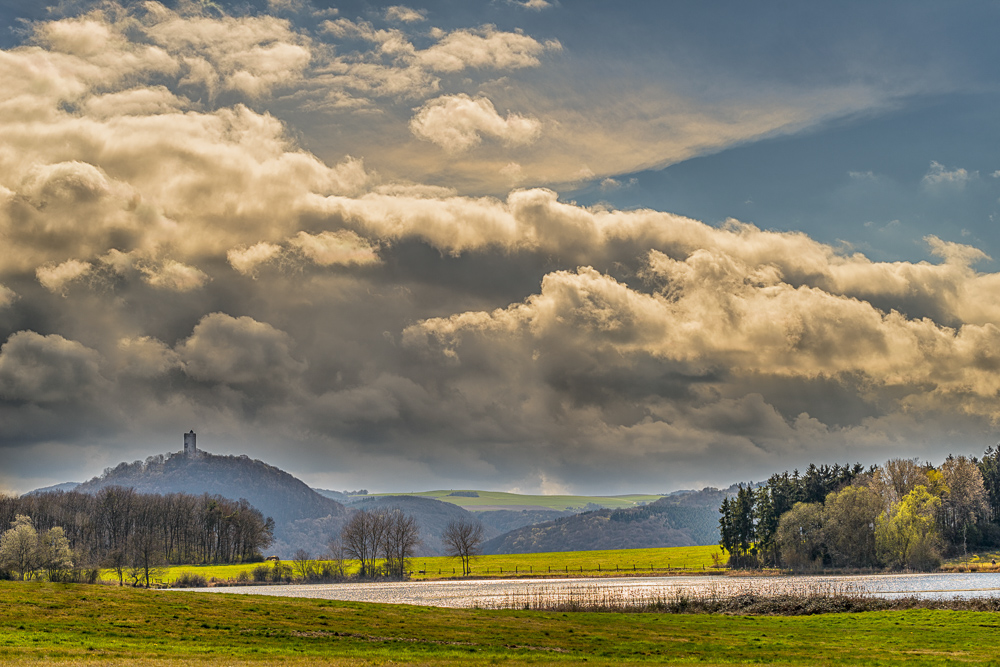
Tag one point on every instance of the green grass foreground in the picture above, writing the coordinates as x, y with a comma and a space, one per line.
66, 624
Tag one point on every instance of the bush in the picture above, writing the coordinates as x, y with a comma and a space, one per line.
82, 575
261, 573
281, 572
190, 580
243, 577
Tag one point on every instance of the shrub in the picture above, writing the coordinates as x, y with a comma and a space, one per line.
82, 575
243, 577
281, 572
261, 573
329, 571
190, 580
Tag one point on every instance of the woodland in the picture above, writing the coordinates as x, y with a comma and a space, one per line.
903, 514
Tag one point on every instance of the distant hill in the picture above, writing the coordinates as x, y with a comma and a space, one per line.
65, 486
681, 520
302, 518
482, 501
432, 516
507, 520
339, 496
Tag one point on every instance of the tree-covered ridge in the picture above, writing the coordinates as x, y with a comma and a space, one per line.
303, 519
131, 532
902, 514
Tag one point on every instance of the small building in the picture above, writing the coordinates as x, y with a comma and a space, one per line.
190, 444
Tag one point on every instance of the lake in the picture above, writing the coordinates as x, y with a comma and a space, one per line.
506, 593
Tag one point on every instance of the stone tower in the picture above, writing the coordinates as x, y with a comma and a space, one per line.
190, 446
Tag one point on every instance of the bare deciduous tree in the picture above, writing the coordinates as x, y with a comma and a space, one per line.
361, 537
463, 539
302, 562
385, 533
965, 501
337, 556
896, 478
402, 535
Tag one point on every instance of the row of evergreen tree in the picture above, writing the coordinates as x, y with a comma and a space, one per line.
902, 514
128, 531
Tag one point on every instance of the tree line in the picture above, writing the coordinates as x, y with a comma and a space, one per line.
902, 514
132, 533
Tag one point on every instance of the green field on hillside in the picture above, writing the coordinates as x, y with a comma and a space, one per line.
587, 563
62, 624
500, 500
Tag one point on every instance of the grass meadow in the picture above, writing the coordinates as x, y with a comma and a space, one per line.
673, 560
65, 624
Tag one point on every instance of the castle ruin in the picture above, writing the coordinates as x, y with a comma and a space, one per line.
190, 444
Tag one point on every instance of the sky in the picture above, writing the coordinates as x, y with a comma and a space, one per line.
539, 246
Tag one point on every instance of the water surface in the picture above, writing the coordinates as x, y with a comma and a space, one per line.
489, 593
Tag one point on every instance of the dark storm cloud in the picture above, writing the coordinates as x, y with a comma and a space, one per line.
176, 257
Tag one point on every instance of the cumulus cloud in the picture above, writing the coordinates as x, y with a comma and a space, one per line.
173, 275
250, 55
709, 361
404, 14
938, 177
47, 369
329, 248
343, 248
237, 350
7, 296
246, 260
535, 5
396, 68
136, 102
145, 357
535, 220
56, 278
484, 48
458, 122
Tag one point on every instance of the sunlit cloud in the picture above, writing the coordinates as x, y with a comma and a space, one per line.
346, 240
456, 123
938, 177
404, 14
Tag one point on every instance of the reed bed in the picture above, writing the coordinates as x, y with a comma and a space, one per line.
777, 598
970, 567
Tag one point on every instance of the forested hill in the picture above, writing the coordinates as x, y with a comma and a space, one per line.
302, 517
674, 521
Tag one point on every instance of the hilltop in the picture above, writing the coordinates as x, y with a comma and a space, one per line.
302, 518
